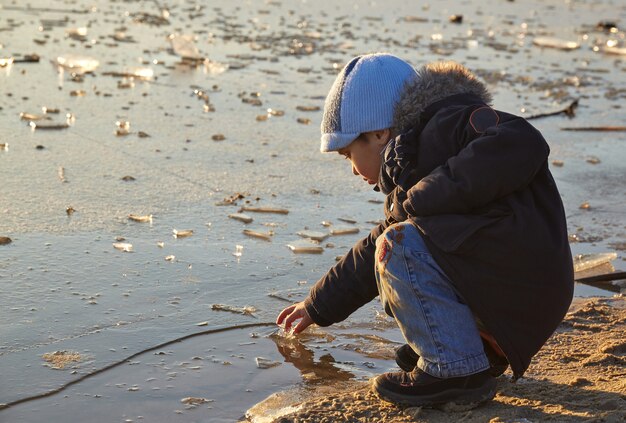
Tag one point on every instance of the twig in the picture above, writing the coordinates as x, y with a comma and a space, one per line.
569, 111
596, 128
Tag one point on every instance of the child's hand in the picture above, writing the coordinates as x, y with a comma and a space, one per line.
293, 313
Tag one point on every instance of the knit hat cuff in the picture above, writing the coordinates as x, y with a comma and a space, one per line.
336, 141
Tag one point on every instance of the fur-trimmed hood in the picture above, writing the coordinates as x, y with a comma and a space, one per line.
435, 82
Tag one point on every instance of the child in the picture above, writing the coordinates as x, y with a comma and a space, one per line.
473, 260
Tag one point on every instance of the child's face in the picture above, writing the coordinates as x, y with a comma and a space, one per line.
365, 154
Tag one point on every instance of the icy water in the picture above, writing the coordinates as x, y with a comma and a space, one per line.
240, 129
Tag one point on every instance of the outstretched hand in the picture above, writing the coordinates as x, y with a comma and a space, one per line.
291, 314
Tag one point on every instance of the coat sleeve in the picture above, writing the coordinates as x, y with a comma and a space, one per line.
348, 285
500, 161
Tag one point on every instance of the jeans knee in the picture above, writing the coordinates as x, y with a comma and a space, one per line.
393, 235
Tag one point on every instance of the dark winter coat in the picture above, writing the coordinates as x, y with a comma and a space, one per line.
476, 183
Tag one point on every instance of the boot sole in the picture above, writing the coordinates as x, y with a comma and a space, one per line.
450, 400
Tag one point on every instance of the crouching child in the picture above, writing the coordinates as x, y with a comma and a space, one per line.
473, 259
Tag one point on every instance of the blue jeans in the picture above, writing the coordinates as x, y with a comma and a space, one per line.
432, 317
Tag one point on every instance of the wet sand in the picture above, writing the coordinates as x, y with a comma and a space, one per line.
579, 375
240, 129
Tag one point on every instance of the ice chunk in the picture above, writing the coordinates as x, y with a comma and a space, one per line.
182, 234
123, 246
265, 210
265, 363
588, 261
242, 217
185, 46
138, 218
555, 43
6, 61
77, 63
314, 235
139, 72
344, 230
305, 247
195, 400
247, 310
123, 128
267, 236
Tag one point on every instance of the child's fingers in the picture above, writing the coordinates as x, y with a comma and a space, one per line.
284, 313
302, 325
290, 319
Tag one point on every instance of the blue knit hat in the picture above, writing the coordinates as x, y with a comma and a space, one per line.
363, 98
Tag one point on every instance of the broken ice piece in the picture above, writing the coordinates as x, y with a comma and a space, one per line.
185, 46
588, 261
305, 247
267, 236
555, 43
123, 246
247, 310
195, 400
202, 324
242, 217
170, 258
326, 223
265, 210
123, 128
314, 235
139, 72
347, 220
77, 63
238, 251
182, 234
344, 231
139, 218
266, 363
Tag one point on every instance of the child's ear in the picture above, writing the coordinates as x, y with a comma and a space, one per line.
383, 135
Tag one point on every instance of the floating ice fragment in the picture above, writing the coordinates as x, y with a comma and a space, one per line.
79, 34
77, 64
185, 46
266, 363
314, 235
242, 217
265, 210
139, 72
247, 310
170, 258
34, 125
238, 251
305, 247
123, 246
347, 220
182, 234
555, 43
32, 116
6, 61
195, 400
588, 261
267, 236
344, 230
139, 218
123, 128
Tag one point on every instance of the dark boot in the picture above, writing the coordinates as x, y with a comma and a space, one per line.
419, 389
406, 358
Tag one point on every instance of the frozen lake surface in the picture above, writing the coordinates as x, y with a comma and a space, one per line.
240, 129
